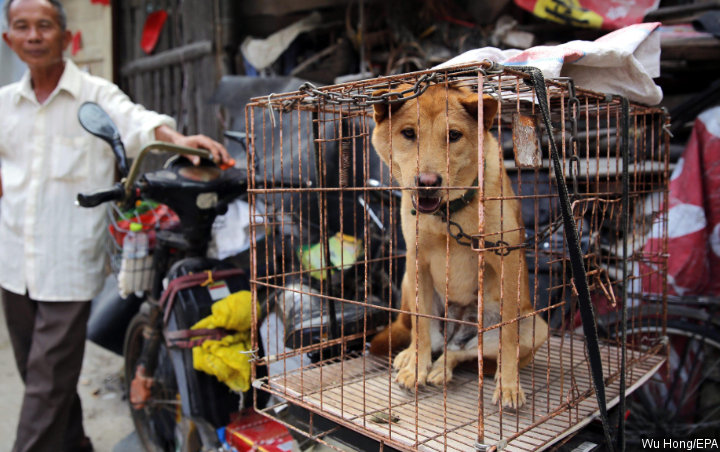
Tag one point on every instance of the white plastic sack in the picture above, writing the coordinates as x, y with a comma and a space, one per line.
231, 232
623, 62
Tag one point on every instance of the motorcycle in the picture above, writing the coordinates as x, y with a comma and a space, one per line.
173, 406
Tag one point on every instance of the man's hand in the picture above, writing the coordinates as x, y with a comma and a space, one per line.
219, 153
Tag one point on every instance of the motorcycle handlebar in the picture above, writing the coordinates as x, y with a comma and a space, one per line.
162, 146
121, 191
96, 198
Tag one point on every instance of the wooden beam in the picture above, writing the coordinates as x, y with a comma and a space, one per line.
282, 7
672, 12
168, 58
691, 49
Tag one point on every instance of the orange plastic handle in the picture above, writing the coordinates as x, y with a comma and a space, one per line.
228, 164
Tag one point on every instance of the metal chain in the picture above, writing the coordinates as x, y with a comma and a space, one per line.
573, 105
390, 97
393, 97
500, 248
460, 236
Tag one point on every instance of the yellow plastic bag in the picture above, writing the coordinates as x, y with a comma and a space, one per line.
228, 359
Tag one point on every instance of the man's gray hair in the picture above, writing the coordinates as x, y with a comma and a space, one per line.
62, 17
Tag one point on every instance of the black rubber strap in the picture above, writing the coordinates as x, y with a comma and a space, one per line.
576, 260
192, 280
194, 338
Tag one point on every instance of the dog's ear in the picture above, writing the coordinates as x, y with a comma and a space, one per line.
383, 109
490, 107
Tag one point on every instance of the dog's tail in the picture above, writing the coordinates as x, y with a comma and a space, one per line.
394, 338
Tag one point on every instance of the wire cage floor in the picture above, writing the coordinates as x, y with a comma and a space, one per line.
356, 393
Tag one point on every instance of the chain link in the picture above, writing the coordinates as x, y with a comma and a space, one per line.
460, 236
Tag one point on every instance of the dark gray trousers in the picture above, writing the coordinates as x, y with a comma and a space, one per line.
48, 340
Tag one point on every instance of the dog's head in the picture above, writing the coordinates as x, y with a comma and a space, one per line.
431, 142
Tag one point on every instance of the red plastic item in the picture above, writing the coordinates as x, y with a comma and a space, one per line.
140, 388
151, 30
251, 431
161, 216
229, 164
76, 43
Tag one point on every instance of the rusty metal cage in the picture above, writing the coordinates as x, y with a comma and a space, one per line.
329, 255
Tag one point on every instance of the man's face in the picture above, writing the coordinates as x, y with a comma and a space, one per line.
35, 34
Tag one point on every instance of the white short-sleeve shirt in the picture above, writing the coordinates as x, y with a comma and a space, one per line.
48, 245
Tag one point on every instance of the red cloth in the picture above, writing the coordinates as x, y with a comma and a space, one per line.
693, 216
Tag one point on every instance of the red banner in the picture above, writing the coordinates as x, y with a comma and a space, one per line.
693, 216
605, 14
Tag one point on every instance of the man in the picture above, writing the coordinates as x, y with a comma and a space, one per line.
51, 253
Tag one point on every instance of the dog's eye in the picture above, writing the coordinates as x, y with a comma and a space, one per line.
408, 133
454, 135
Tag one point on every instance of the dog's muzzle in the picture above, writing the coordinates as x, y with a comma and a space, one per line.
427, 204
428, 198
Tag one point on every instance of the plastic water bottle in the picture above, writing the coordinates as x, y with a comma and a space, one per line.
135, 243
136, 266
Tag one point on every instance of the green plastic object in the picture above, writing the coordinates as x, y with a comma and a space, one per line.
139, 209
344, 252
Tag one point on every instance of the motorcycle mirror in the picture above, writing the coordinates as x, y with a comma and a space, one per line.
96, 121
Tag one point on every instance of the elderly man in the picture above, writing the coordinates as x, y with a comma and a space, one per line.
51, 259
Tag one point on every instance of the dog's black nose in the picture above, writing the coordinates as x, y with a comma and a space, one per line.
428, 180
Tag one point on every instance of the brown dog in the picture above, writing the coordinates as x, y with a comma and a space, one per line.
431, 143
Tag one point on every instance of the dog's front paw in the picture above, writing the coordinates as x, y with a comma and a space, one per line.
406, 377
511, 396
405, 365
404, 359
439, 375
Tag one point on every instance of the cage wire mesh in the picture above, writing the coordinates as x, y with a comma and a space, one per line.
328, 272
